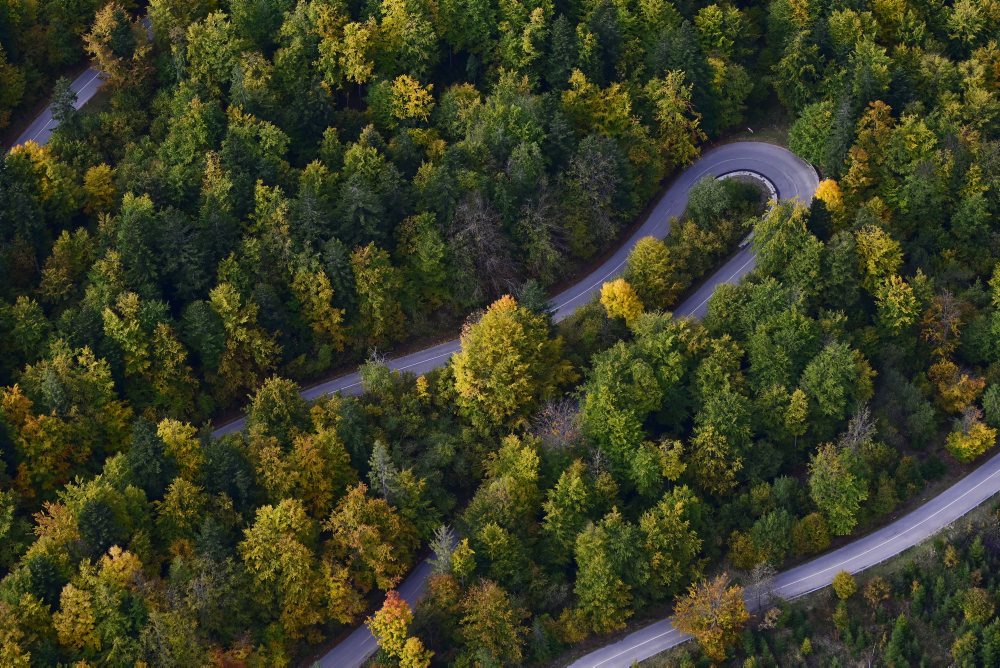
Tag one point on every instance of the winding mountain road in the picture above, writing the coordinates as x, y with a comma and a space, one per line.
793, 179
789, 175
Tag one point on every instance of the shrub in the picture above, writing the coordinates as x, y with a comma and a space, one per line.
844, 585
810, 535
977, 604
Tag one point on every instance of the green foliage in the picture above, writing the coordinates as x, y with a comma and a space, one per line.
40, 41
652, 273
835, 489
508, 365
611, 572
274, 189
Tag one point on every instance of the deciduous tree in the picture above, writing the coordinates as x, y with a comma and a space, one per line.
507, 366
566, 508
880, 256
714, 463
212, 51
714, 613
315, 294
279, 553
391, 624
491, 624
120, 46
670, 543
370, 537
250, 352
378, 285
653, 273
610, 572
836, 489
897, 305
677, 123
844, 585
970, 438
620, 300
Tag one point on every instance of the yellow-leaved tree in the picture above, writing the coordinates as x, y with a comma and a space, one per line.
508, 365
620, 300
828, 191
410, 100
391, 628
714, 613
971, 437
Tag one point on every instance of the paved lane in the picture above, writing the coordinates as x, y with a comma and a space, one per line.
85, 86
911, 529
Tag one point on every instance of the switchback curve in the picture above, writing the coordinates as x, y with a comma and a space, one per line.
793, 178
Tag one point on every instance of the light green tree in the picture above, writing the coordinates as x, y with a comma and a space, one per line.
508, 364
279, 553
671, 545
379, 286
566, 507
897, 305
653, 274
835, 489
677, 124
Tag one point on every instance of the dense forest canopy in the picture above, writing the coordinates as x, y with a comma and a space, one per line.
273, 190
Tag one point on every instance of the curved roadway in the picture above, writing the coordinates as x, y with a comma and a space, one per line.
793, 179
791, 176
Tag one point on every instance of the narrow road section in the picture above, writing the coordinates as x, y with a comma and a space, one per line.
909, 530
85, 86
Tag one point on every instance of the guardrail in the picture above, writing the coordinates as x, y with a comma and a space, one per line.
757, 176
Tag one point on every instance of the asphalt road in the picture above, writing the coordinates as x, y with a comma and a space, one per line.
85, 86
792, 178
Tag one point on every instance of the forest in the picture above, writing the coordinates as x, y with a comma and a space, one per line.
270, 192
